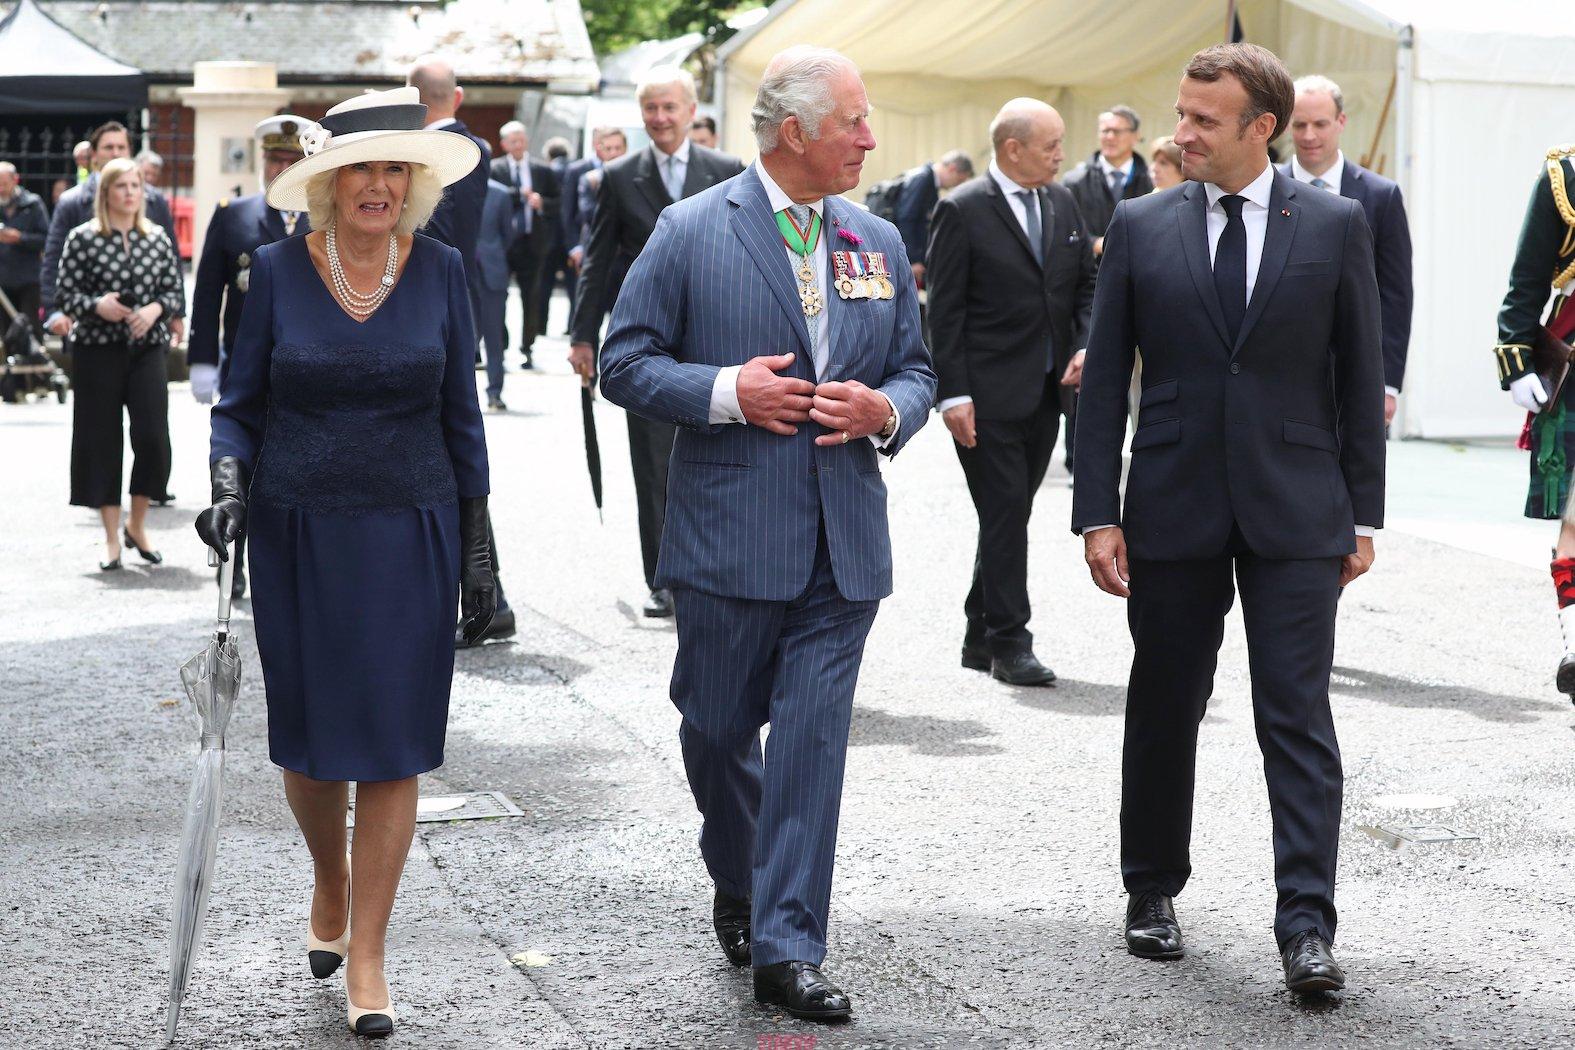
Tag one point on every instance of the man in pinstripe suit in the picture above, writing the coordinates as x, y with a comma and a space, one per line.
786, 379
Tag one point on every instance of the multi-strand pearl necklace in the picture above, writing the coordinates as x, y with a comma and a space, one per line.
361, 306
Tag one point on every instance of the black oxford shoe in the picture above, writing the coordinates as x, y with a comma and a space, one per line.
975, 657
1152, 929
802, 990
730, 917
1021, 668
1309, 964
1566, 676
660, 604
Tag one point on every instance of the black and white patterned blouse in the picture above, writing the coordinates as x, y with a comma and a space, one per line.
93, 264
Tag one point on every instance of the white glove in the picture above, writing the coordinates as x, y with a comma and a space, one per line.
204, 381
1528, 392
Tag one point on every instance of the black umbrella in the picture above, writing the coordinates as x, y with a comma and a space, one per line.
593, 448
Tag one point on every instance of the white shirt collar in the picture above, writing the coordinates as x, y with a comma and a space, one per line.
1107, 167
682, 153
443, 123
779, 199
1256, 192
1334, 176
1008, 187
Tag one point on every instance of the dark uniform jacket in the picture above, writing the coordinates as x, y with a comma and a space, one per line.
1544, 255
628, 202
1092, 191
238, 228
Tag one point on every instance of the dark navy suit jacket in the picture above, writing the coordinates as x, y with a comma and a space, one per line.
744, 506
457, 221
914, 208
1280, 432
238, 228
495, 235
1384, 206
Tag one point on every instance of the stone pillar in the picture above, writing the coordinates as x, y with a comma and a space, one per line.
228, 98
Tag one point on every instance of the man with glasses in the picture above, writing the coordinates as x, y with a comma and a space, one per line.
1116, 172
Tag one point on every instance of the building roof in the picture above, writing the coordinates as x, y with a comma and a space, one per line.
488, 41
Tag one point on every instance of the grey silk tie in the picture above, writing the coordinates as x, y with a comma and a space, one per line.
1118, 183
1319, 183
673, 179
1036, 233
802, 216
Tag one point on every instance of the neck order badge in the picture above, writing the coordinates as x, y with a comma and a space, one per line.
803, 242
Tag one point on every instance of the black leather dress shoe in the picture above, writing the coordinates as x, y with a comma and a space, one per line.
975, 657
660, 604
501, 627
730, 917
802, 990
1021, 668
1309, 964
1566, 676
1152, 929
238, 585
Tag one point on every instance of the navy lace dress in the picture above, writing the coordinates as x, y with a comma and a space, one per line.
360, 439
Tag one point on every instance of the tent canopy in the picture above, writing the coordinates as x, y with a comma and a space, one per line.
45, 68
1458, 100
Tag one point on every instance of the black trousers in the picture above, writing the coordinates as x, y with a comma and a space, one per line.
1177, 616
105, 379
525, 262
547, 270
650, 448
26, 300
1004, 470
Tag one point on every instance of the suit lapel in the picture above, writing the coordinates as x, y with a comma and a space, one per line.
1046, 226
1004, 210
1276, 249
648, 177
697, 173
753, 223
1192, 215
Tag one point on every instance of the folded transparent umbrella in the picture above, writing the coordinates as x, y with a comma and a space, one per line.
212, 678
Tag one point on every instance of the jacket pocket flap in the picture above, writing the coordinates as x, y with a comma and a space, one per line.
1310, 434
1163, 432
1307, 269
1159, 393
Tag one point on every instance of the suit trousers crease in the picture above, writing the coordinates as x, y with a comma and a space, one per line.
650, 451
1176, 613
1004, 471
103, 379
770, 816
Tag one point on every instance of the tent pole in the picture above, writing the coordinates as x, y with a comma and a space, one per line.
1383, 120
1230, 21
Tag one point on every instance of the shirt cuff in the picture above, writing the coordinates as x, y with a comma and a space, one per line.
1392, 391
1095, 528
724, 397
953, 402
882, 442
1365, 530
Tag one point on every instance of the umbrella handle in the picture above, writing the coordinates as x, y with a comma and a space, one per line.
226, 581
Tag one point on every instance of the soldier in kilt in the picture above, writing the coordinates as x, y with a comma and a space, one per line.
1546, 256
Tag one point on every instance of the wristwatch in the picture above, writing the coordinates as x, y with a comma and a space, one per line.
891, 425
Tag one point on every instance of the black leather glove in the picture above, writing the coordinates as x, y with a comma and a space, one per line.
478, 589
226, 519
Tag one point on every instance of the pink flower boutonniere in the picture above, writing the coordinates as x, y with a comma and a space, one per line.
849, 236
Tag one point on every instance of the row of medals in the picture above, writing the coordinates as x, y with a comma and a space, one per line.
874, 285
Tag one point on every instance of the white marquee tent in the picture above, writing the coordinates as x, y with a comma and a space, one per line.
1477, 91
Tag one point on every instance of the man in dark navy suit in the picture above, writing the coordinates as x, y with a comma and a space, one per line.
535, 218
237, 229
921, 191
1316, 125
1258, 455
457, 223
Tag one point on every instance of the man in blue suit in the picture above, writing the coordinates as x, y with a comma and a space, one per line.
776, 545
498, 227
1317, 123
1258, 463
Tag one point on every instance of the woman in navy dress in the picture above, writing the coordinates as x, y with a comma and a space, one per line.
348, 446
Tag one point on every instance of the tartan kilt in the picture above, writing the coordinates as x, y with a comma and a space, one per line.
1551, 464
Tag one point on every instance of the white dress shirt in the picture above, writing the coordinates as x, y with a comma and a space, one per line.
441, 123
1333, 178
1020, 210
1105, 169
724, 392
1255, 217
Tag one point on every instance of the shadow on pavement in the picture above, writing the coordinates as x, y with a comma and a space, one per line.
921, 734
139, 576
1404, 692
1071, 697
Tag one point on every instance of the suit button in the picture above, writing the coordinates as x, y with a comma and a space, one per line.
1235, 369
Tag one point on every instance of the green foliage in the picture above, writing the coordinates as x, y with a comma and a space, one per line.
617, 24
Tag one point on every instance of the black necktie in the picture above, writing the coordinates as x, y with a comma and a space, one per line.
1230, 265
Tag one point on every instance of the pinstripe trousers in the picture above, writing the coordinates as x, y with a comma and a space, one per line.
769, 829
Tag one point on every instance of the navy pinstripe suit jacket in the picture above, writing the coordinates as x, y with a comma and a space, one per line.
713, 288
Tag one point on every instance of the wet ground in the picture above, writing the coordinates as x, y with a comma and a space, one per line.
977, 900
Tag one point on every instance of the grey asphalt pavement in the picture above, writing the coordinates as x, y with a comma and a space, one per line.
977, 900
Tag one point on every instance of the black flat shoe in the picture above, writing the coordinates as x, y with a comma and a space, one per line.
730, 918
501, 627
975, 657
148, 556
659, 605
802, 990
1309, 964
1021, 668
238, 585
1152, 930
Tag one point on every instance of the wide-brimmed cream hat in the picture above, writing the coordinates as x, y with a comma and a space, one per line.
376, 126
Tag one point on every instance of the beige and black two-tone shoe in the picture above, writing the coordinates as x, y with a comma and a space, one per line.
372, 1023
325, 957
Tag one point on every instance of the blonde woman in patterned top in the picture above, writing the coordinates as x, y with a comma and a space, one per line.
120, 284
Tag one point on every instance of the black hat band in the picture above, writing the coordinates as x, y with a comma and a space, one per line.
411, 117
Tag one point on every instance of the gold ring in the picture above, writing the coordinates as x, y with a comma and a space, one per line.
844, 437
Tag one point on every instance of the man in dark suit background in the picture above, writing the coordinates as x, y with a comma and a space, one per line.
537, 195
457, 223
1317, 123
607, 144
492, 290
634, 190
1116, 172
1011, 282
1259, 453
921, 189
